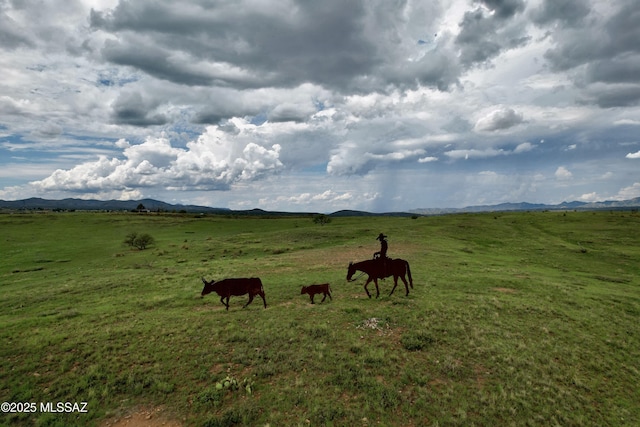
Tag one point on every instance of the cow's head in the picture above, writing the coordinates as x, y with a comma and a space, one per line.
351, 271
303, 291
208, 287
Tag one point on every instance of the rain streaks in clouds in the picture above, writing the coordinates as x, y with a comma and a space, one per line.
321, 106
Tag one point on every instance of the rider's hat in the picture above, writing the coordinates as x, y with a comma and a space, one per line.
381, 236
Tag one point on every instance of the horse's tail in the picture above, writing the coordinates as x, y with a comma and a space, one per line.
409, 274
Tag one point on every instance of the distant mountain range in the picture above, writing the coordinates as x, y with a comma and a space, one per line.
155, 205
504, 207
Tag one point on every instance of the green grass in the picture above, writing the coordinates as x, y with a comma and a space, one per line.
515, 319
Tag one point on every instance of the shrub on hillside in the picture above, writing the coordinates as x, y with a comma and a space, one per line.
140, 241
321, 219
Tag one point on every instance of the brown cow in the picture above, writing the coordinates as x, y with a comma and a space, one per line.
236, 287
317, 289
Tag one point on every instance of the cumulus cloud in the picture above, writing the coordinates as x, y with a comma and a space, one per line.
607, 175
626, 122
214, 161
328, 196
589, 197
563, 173
351, 158
427, 159
524, 147
629, 192
392, 140
500, 119
321, 201
635, 155
474, 153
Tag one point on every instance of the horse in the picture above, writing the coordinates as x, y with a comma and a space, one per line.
374, 269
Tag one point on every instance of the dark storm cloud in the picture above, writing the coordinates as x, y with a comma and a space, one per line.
477, 38
619, 35
211, 117
610, 96
484, 36
217, 112
623, 28
11, 35
566, 12
603, 51
335, 44
620, 69
132, 109
153, 61
504, 8
288, 113
434, 69
316, 41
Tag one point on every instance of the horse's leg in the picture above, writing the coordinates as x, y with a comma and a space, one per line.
395, 283
365, 287
406, 286
375, 280
226, 304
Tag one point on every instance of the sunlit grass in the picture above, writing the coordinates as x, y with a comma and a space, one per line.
515, 319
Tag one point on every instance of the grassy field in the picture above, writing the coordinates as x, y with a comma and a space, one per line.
515, 319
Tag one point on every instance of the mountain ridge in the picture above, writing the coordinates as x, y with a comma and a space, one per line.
525, 206
152, 205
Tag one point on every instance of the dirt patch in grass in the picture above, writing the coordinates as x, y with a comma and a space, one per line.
286, 304
505, 290
142, 417
481, 374
210, 307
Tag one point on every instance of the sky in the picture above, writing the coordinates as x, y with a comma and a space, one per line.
307, 106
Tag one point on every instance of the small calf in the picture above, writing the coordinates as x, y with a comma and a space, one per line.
312, 290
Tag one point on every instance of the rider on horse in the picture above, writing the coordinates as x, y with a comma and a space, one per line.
382, 253
380, 267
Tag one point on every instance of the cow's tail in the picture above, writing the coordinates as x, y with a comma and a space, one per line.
409, 274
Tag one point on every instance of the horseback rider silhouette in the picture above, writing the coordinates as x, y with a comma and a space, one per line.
382, 253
